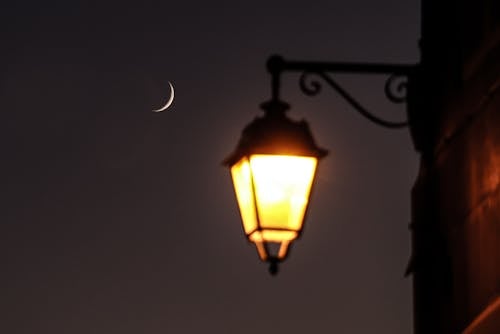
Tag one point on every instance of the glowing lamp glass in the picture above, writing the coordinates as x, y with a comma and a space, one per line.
272, 193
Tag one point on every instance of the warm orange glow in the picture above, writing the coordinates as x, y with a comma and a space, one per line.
273, 191
272, 236
264, 253
242, 180
282, 185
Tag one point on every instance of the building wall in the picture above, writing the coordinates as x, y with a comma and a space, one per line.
456, 198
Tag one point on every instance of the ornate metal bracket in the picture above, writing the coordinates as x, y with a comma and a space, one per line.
395, 87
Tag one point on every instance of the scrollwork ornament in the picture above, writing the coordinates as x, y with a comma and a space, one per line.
396, 88
309, 85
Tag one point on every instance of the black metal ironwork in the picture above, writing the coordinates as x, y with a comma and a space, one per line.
273, 266
395, 91
395, 87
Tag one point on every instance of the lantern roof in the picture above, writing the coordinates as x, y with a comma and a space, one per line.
275, 133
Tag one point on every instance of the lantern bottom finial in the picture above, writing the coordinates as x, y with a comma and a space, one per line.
273, 266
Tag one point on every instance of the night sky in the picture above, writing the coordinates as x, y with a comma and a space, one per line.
117, 220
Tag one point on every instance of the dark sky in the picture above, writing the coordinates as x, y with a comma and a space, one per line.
115, 219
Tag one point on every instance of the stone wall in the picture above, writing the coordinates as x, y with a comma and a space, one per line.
456, 198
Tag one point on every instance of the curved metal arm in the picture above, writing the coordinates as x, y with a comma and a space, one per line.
313, 88
395, 88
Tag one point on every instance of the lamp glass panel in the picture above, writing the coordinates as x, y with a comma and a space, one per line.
242, 181
282, 186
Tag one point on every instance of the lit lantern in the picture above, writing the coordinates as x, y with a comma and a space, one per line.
273, 169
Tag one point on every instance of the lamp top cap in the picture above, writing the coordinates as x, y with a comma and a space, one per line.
274, 107
275, 133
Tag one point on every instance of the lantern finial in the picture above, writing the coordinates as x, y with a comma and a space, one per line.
273, 266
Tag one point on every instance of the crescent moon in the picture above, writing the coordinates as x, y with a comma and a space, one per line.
170, 100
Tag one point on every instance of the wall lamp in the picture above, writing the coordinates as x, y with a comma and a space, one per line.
274, 164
